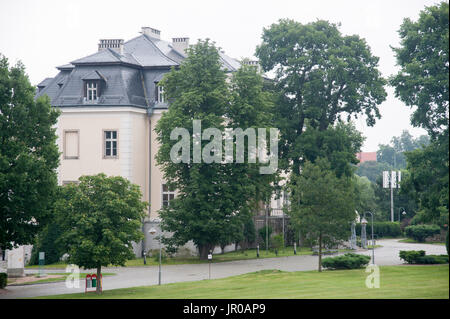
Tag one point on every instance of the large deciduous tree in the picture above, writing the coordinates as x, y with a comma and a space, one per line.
423, 79
322, 76
322, 205
214, 200
28, 157
99, 219
423, 83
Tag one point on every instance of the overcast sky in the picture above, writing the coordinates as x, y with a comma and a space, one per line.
45, 34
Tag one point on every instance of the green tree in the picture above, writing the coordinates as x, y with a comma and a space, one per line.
207, 209
322, 76
428, 182
372, 170
422, 80
28, 157
423, 83
100, 218
394, 153
338, 143
322, 205
365, 195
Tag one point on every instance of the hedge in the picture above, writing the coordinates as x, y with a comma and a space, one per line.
346, 261
3, 280
421, 232
381, 229
419, 257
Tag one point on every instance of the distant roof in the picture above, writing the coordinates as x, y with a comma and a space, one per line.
45, 82
366, 156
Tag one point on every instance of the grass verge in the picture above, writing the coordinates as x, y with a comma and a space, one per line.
396, 282
42, 280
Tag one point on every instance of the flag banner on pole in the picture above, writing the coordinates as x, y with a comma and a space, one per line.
394, 179
385, 179
399, 178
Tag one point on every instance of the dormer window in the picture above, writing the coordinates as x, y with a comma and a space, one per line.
159, 94
91, 90
94, 84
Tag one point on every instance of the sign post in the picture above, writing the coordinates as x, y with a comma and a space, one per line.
392, 179
210, 259
41, 263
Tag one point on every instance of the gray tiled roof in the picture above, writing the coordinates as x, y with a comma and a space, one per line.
129, 77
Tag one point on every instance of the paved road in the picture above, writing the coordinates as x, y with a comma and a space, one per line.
145, 276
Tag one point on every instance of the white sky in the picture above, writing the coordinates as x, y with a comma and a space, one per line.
45, 34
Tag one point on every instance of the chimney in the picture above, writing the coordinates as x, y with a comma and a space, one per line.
114, 44
151, 32
180, 44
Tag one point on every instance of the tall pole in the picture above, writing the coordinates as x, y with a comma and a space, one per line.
373, 244
392, 200
267, 228
159, 275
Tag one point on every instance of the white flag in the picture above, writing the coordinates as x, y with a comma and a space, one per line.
393, 179
385, 179
399, 178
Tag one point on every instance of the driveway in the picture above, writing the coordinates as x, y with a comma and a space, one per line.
146, 276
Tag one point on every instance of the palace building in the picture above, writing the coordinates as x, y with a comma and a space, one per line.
110, 102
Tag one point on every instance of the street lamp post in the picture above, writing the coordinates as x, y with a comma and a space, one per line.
152, 231
373, 244
403, 213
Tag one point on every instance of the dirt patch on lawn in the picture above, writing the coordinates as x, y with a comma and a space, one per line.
29, 279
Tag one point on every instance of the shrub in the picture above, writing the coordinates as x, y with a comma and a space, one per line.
3, 280
262, 234
411, 256
433, 259
347, 261
277, 242
419, 257
421, 232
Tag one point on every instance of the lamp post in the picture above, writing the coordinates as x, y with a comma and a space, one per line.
403, 213
152, 231
373, 246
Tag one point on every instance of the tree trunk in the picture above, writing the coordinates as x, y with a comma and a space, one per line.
204, 250
320, 252
99, 281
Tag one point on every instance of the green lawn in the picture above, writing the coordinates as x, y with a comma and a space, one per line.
412, 241
396, 282
47, 280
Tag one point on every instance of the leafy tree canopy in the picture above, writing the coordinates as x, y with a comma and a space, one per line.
28, 157
322, 205
100, 218
322, 76
207, 209
423, 80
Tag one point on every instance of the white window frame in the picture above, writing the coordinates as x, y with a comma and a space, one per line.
91, 91
65, 144
170, 195
111, 140
160, 92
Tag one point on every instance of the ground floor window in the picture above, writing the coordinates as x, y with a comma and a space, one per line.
167, 195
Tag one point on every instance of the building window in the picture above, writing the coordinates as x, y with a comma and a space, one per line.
167, 195
91, 91
71, 144
110, 144
159, 93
